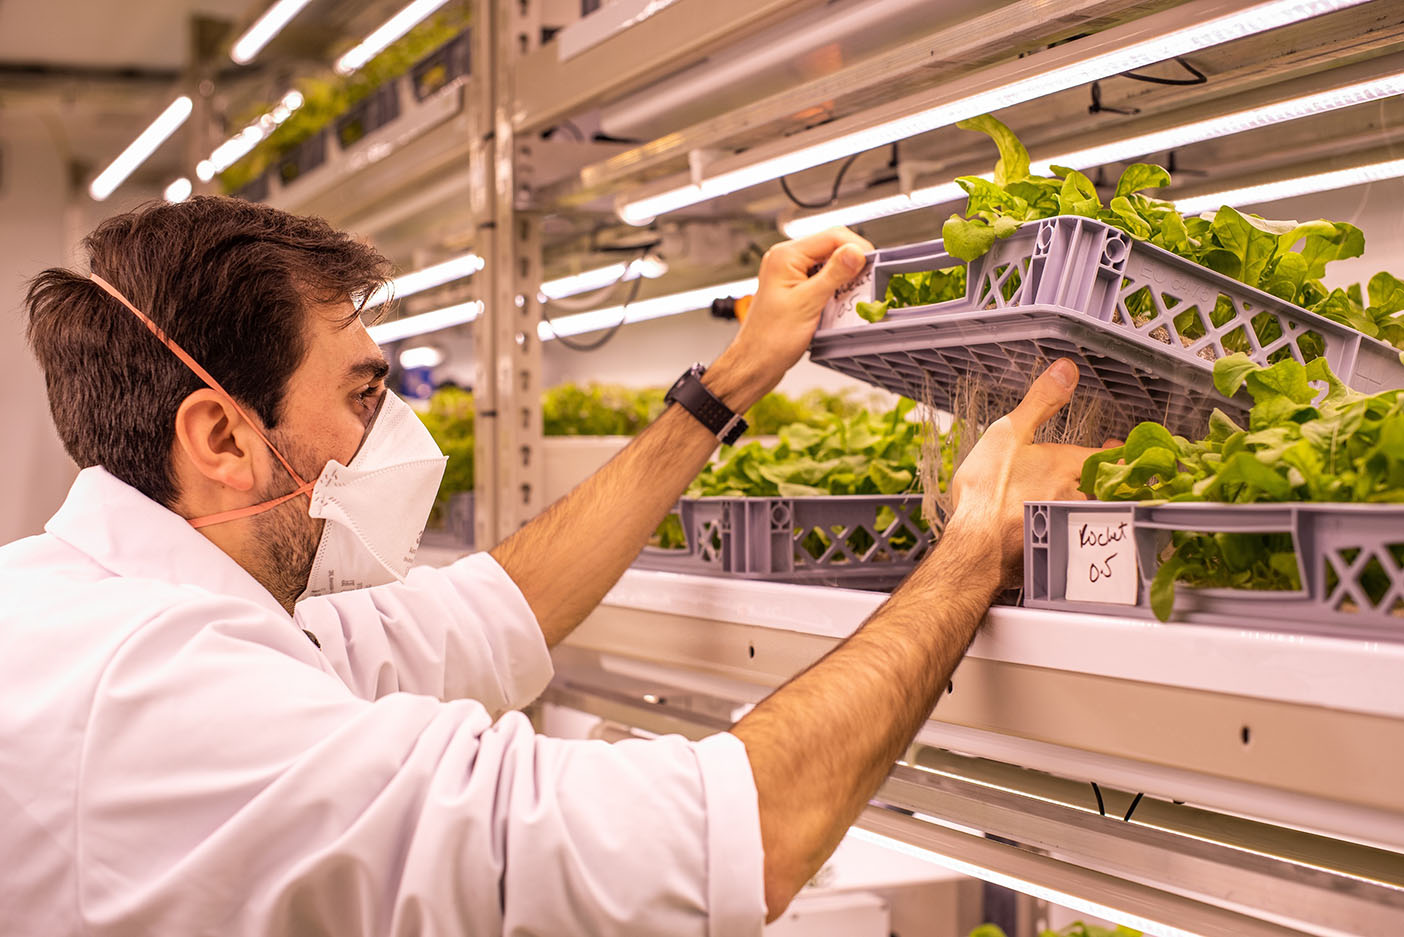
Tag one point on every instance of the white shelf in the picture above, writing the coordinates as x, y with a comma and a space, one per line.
1355, 676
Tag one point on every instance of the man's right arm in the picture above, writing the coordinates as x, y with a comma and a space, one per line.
820, 746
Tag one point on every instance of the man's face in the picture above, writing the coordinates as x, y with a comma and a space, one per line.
327, 407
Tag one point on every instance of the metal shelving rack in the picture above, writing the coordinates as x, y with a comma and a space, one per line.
1270, 765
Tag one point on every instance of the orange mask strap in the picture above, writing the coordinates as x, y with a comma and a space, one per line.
208, 378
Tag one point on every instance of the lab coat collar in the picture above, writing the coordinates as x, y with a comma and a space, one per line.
126, 532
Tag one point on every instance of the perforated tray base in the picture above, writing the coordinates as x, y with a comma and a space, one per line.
920, 354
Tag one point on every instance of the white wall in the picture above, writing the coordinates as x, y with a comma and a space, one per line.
35, 473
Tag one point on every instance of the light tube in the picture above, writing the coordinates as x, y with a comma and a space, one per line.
1183, 41
140, 149
1119, 151
392, 29
178, 191
1136, 922
408, 284
656, 308
242, 143
1298, 185
421, 356
387, 332
600, 277
264, 29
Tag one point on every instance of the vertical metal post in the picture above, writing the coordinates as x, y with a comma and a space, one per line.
508, 391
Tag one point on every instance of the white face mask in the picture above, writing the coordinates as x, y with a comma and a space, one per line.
375, 508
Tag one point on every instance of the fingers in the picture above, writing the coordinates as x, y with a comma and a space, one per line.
816, 248
1050, 393
842, 266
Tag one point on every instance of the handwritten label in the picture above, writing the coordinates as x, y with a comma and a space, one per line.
1102, 558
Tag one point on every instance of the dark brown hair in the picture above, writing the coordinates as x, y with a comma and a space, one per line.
230, 281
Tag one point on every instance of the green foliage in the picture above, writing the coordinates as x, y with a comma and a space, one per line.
449, 420
326, 96
1345, 447
1075, 929
1284, 258
775, 411
599, 410
919, 288
854, 453
860, 454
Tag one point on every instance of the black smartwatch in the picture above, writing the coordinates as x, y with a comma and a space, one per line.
694, 397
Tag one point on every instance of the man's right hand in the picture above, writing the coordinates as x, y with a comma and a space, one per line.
1007, 468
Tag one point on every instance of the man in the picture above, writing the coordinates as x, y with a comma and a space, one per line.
184, 750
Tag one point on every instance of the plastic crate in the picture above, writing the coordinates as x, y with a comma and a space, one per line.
371, 113
256, 190
1350, 560
1066, 287
303, 158
442, 67
834, 540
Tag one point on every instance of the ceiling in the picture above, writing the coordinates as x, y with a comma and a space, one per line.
91, 74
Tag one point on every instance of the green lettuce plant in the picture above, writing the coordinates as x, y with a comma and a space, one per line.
1284, 258
1308, 438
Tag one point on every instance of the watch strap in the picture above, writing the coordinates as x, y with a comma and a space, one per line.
693, 396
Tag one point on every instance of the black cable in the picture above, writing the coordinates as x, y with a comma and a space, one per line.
1198, 79
1132, 809
574, 131
834, 192
568, 342
1101, 807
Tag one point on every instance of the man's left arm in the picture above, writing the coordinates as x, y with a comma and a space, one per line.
565, 560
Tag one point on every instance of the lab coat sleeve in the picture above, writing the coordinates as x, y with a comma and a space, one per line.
460, 632
230, 786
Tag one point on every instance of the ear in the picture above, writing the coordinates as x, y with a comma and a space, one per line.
216, 440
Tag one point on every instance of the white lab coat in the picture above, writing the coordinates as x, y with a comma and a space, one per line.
178, 758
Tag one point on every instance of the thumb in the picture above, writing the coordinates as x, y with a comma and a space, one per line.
1050, 393
842, 266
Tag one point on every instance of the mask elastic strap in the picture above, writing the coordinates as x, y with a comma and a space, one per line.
208, 378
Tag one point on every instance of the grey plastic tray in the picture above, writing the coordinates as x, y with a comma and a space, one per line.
820, 540
1066, 287
1350, 563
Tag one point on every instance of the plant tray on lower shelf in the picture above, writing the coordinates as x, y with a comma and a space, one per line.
857, 541
1144, 325
1338, 568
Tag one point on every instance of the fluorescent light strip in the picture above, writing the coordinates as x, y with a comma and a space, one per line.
1288, 188
264, 29
1213, 32
420, 280
242, 143
1148, 927
600, 277
1123, 150
392, 29
178, 191
449, 316
656, 308
140, 149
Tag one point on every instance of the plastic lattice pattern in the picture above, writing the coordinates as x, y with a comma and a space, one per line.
1350, 564
859, 541
1144, 325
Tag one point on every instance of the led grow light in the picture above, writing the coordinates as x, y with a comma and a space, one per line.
264, 29
1119, 151
242, 143
449, 316
1216, 31
655, 308
392, 29
1297, 185
140, 149
600, 277
1144, 925
178, 191
408, 284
